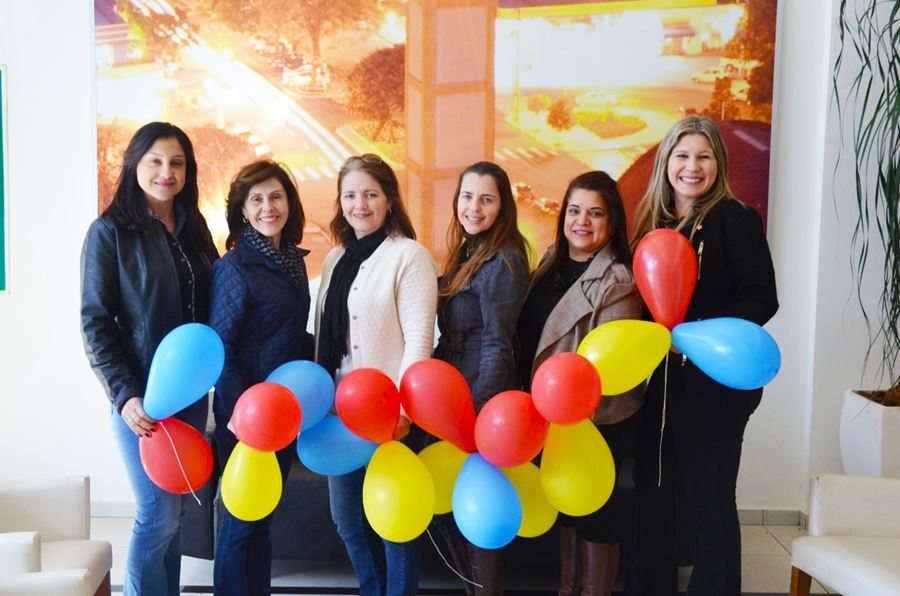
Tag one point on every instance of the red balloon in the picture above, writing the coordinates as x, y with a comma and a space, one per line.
368, 404
566, 388
436, 397
267, 417
160, 457
509, 430
665, 269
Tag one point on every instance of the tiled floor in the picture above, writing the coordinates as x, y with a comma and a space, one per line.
766, 563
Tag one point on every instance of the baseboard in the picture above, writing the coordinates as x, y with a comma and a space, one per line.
769, 517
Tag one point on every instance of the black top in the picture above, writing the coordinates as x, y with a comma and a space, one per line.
545, 294
188, 263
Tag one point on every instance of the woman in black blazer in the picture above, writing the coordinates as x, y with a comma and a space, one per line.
704, 420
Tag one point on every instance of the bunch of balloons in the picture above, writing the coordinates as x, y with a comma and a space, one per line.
732, 351
186, 365
267, 418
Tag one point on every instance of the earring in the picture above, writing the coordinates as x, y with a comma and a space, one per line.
244, 219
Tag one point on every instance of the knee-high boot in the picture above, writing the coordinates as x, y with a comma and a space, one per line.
599, 564
487, 570
569, 564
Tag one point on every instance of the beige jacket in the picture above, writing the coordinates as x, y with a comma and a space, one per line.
606, 291
392, 305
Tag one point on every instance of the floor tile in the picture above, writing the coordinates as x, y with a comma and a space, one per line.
785, 535
757, 540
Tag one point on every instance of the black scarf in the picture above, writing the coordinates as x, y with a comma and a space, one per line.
335, 316
289, 259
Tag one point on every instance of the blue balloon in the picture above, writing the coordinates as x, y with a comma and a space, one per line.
311, 385
486, 506
330, 449
735, 352
185, 367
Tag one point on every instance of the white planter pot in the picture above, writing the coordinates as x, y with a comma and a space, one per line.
870, 437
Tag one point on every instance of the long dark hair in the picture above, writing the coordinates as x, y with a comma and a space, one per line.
605, 186
129, 205
504, 235
397, 219
248, 177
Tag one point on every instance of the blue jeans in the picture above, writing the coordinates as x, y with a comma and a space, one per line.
391, 572
243, 565
154, 553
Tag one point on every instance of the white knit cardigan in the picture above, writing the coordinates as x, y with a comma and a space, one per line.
392, 306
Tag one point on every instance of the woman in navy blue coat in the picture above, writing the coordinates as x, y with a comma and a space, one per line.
260, 305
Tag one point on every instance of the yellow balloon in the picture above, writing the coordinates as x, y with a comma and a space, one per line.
538, 515
444, 461
398, 493
577, 468
625, 352
251, 483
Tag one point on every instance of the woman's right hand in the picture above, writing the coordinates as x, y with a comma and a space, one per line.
136, 418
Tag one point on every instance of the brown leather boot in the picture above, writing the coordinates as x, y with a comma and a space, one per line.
487, 570
599, 564
569, 575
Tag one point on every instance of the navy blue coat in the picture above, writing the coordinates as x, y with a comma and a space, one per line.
260, 314
478, 326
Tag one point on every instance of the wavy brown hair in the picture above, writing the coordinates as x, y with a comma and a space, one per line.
503, 236
657, 207
248, 177
397, 219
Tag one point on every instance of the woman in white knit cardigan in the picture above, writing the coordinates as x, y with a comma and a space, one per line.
375, 309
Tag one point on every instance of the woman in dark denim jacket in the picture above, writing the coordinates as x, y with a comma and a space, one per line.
481, 292
260, 305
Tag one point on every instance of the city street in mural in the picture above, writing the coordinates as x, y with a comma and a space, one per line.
578, 86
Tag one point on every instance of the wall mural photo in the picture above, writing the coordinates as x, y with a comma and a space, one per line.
573, 86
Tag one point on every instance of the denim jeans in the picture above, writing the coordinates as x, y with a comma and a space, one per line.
391, 572
243, 565
154, 553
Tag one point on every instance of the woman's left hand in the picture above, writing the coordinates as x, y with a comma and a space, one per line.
402, 428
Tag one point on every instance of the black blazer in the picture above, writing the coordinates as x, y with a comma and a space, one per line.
130, 300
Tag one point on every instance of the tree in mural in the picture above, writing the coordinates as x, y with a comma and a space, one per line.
112, 139
755, 40
560, 115
219, 157
154, 35
722, 105
538, 102
375, 89
294, 20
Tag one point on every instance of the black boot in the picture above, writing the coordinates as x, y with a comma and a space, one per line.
599, 564
487, 570
569, 574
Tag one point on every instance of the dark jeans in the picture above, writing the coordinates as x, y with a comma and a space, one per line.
392, 570
243, 565
701, 452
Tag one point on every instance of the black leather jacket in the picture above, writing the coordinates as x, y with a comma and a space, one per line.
130, 299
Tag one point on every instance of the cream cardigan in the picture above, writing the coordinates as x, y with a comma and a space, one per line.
392, 306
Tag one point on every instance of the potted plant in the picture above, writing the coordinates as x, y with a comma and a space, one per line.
870, 108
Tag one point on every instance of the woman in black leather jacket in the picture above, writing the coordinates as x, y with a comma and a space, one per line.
145, 269
481, 292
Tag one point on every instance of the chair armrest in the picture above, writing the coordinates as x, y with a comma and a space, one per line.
20, 552
854, 506
71, 582
58, 508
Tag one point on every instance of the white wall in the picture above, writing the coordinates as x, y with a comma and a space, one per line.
53, 418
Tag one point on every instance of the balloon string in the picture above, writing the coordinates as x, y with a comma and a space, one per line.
662, 427
447, 563
180, 467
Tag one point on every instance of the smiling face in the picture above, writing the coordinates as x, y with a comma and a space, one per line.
267, 209
161, 172
587, 224
363, 202
692, 170
478, 203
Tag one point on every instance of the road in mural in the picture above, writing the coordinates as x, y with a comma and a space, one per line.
578, 86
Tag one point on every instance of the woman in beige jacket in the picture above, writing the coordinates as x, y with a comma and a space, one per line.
583, 281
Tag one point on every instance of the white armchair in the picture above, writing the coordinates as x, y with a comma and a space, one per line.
854, 537
44, 541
